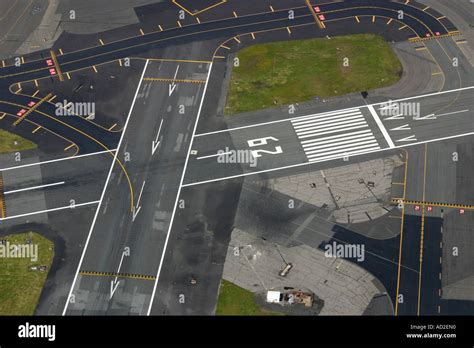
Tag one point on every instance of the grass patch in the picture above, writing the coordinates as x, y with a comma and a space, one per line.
233, 300
10, 142
20, 288
283, 73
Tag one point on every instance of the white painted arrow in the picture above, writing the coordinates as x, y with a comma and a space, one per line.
427, 117
173, 85
114, 283
401, 128
137, 207
407, 139
156, 142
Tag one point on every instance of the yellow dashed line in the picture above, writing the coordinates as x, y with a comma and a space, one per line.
237, 39
357, 19
288, 29
70, 146
35, 94
101, 42
36, 129
95, 69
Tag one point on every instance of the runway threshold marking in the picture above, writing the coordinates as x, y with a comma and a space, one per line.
3, 206
56, 65
33, 108
118, 275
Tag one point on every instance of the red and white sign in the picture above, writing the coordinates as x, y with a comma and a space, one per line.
49, 62
317, 9
21, 112
31, 103
417, 207
437, 33
461, 211
322, 18
52, 71
428, 35
429, 208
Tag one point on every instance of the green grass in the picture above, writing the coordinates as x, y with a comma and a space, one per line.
284, 73
20, 288
233, 300
10, 142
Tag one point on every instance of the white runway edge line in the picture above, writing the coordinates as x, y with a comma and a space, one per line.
34, 188
56, 160
381, 126
179, 190
105, 188
331, 112
49, 210
325, 160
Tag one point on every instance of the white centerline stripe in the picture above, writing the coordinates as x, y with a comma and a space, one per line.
381, 126
50, 210
343, 149
216, 155
34, 187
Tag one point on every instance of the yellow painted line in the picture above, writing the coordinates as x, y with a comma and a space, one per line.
219, 57
313, 12
198, 20
141, 32
227, 48
2, 116
120, 62
288, 29
22, 60
159, 26
179, 24
434, 204
406, 2
398, 183
271, 8
68, 76
35, 94
3, 207
437, 73
420, 48
95, 69
69, 147
54, 97
442, 17
373, 19
427, 7
61, 51
323, 25
170, 80
390, 21
33, 108
3, 63
176, 2
401, 28
118, 275
357, 19
253, 36
56, 64
235, 14
36, 83
36, 129
237, 39
115, 124
101, 42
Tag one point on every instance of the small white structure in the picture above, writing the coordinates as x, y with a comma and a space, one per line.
273, 296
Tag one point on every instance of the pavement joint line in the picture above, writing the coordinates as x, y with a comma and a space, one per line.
56, 65
50, 210
180, 188
32, 109
171, 80
118, 275
105, 189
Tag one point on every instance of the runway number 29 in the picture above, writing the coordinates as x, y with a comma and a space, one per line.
261, 142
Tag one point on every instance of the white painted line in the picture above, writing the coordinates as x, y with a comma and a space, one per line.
332, 120
34, 188
324, 116
179, 190
308, 163
344, 154
216, 155
344, 135
337, 125
381, 126
326, 145
333, 131
50, 210
104, 189
56, 160
452, 113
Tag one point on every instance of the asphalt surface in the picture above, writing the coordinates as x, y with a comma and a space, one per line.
139, 214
